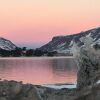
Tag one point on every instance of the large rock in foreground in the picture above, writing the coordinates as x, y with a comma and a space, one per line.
11, 90
88, 61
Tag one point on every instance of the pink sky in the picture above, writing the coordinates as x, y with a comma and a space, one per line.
37, 21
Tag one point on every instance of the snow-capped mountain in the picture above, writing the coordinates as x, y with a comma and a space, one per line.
6, 44
63, 44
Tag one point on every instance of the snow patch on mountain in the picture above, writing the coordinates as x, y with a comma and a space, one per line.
61, 45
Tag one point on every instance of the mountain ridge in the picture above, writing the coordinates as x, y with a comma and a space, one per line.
63, 44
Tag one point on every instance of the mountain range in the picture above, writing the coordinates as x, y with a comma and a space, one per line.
63, 44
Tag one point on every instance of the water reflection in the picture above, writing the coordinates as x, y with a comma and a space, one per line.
39, 71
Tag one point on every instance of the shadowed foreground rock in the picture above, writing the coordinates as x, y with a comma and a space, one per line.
11, 90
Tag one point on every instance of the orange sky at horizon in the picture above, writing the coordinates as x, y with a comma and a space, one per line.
37, 21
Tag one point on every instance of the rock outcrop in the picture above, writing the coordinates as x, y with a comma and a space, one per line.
11, 90
88, 59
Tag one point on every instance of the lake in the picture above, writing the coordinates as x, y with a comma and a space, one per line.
42, 70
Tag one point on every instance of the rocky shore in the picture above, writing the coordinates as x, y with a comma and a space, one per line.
12, 90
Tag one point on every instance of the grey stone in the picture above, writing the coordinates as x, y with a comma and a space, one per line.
3, 98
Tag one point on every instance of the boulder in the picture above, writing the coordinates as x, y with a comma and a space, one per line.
12, 90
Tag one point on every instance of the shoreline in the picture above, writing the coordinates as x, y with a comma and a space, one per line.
42, 57
14, 90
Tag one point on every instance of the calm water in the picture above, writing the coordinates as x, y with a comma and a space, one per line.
38, 70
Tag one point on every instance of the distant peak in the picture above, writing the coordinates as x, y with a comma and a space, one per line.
6, 44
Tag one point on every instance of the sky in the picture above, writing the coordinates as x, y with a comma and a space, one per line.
35, 22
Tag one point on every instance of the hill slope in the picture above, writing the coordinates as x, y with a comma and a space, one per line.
6, 44
63, 44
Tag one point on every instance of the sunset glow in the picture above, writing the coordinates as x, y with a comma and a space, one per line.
37, 21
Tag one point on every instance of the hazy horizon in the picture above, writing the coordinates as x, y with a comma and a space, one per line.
37, 21
30, 45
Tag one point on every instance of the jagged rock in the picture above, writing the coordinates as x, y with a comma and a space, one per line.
88, 61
